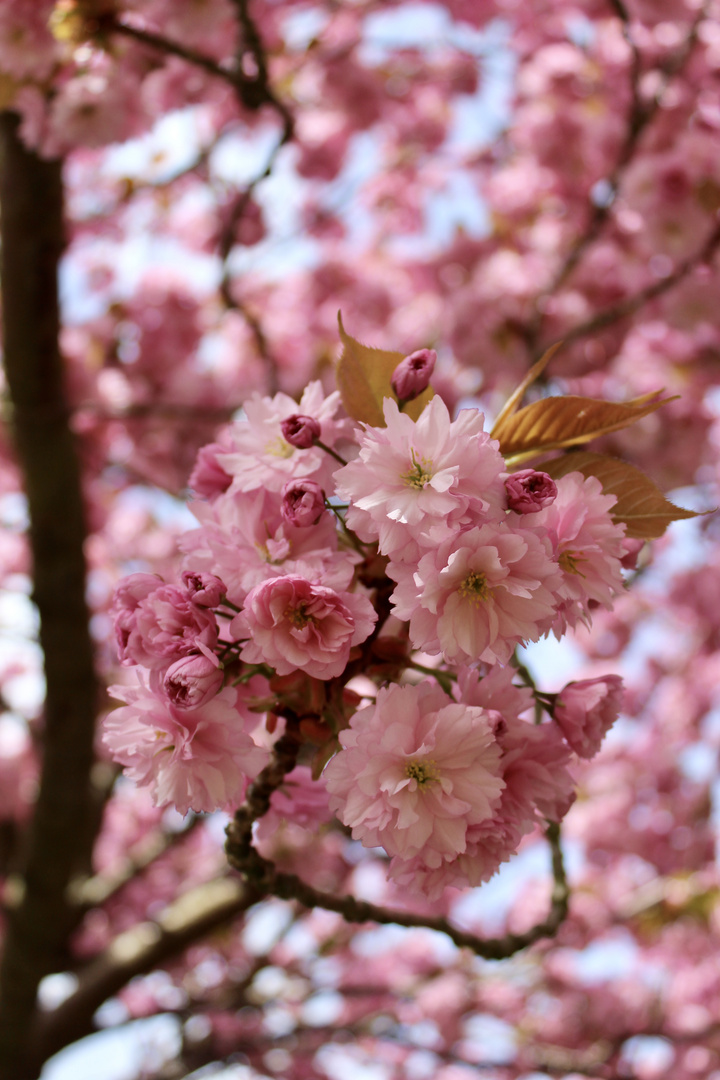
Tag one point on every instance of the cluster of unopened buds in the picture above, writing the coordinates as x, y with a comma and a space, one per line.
364, 588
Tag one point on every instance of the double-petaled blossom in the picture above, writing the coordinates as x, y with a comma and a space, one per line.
193, 759
416, 771
586, 710
244, 538
262, 457
156, 624
293, 624
415, 483
536, 786
479, 594
588, 545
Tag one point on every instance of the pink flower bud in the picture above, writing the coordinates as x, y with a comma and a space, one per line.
529, 491
300, 431
412, 375
208, 477
303, 503
632, 548
205, 590
193, 681
586, 710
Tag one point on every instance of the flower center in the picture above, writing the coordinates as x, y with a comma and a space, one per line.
423, 772
298, 616
475, 587
279, 448
420, 474
568, 562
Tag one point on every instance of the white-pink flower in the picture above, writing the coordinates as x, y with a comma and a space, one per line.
293, 624
415, 482
261, 457
479, 595
537, 786
243, 539
416, 771
193, 759
589, 548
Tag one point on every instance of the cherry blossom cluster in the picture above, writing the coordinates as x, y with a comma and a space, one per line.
366, 587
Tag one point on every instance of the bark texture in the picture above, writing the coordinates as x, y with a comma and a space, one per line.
39, 924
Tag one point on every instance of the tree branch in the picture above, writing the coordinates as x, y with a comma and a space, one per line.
264, 876
634, 303
136, 951
640, 115
59, 841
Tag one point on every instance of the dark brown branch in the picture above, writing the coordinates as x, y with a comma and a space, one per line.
263, 875
136, 951
98, 889
59, 839
290, 887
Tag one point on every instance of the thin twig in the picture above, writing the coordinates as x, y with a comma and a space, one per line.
640, 115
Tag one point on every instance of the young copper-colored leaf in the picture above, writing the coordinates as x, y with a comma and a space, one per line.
640, 504
555, 422
511, 405
363, 377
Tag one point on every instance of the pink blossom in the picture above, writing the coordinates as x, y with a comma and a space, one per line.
415, 482
208, 477
588, 545
586, 710
416, 771
162, 625
529, 491
244, 539
303, 503
294, 624
193, 681
412, 375
536, 786
194, 759
262, 457
479, 595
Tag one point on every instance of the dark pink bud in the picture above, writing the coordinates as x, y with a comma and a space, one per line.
529, 491
303, 503
193, 681
300, 431
412, 375
205, 590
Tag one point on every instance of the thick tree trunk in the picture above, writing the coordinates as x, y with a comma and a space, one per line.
32, 242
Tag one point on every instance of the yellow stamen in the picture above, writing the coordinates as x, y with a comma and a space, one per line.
424, 772
475, 588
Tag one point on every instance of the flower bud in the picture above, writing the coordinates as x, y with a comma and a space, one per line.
529, 491
586, 710
300, 431
412, 375
205, 590
632, 548
193, 681
208, 477
303, 503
